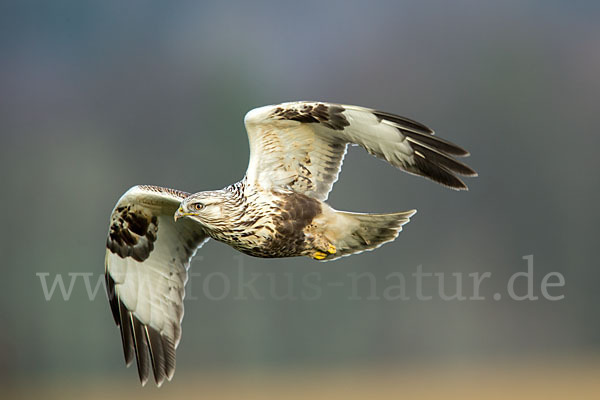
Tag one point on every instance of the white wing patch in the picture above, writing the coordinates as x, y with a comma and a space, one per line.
296, 147
147, 258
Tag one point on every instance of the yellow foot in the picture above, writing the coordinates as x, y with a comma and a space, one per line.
331, 249
319, 255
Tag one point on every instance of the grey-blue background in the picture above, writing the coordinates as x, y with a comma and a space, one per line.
98, 96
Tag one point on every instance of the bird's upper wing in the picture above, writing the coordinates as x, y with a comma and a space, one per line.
147, 258
301, 146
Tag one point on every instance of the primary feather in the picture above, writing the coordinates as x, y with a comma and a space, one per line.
277, 210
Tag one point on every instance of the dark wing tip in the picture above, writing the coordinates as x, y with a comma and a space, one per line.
157, 354
436, 143
407, 123
113, 300
169, 347
126, 334
436, 172
148, 345
432, 155
442, 159
421, 133
142, 354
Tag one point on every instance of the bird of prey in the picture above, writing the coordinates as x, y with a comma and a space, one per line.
277, 210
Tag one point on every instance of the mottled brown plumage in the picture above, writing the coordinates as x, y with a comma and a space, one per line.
277, 210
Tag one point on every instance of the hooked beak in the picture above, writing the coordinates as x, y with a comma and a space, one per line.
180, 214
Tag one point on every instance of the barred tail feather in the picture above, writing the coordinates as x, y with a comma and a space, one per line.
366, 232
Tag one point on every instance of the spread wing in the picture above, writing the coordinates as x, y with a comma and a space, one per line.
301, 145
147, 258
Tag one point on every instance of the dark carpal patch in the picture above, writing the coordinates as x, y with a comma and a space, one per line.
132, 233
331, 116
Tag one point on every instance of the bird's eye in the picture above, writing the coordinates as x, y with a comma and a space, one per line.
198, 206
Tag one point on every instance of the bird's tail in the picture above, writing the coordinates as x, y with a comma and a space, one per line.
356, 232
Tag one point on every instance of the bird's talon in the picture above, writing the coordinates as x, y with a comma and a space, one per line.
318, 255
331, 249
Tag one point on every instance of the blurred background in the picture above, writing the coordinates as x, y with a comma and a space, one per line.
96, 97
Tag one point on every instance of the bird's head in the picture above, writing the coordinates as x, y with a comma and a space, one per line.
211, 209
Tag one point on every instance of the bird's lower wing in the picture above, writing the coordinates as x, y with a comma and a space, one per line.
147, 257
301, 145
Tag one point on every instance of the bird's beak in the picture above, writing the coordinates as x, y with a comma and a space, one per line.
180, 214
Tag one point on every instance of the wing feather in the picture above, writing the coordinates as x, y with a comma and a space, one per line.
147, 258
301, 146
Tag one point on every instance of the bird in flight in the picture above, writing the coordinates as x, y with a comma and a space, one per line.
277, 210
